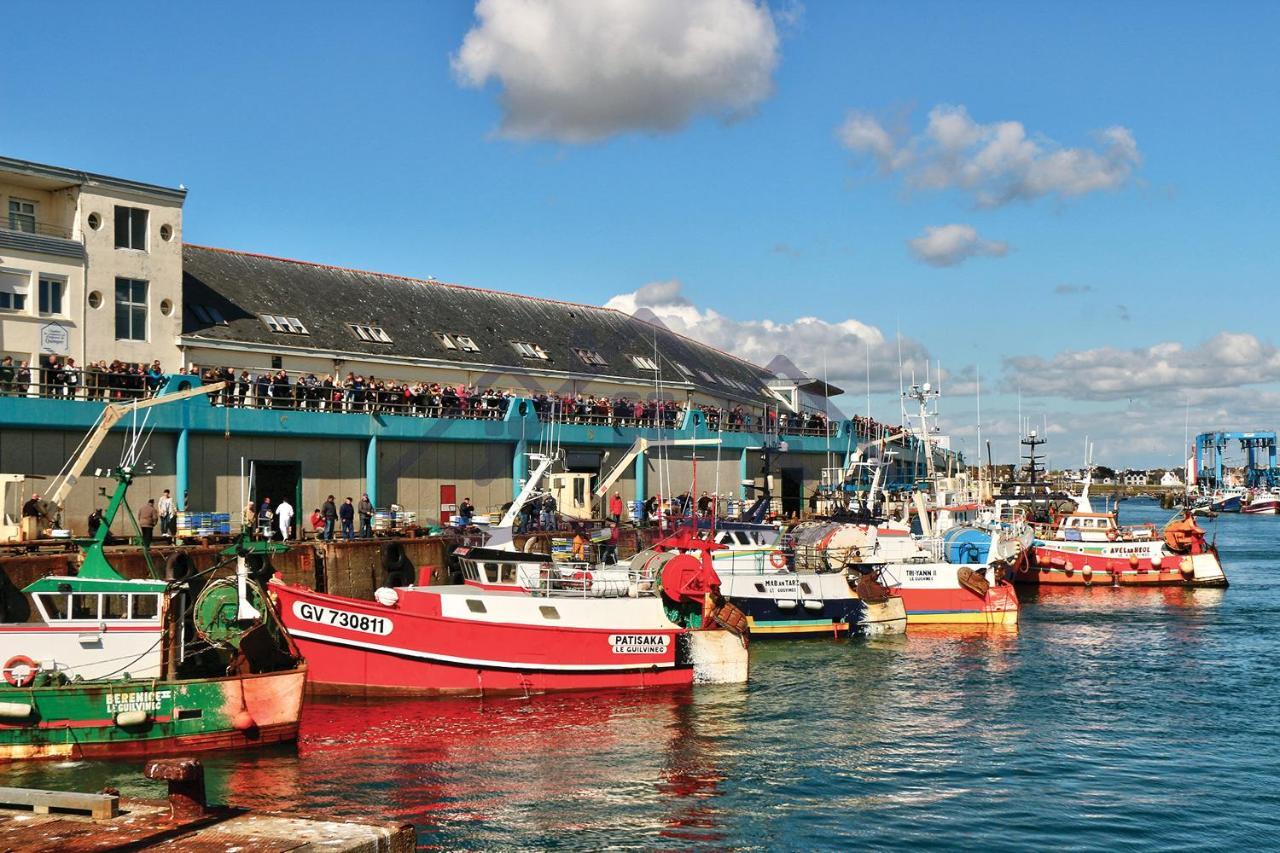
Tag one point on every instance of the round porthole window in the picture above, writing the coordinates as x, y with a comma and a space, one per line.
166, 232
95, 221
95, 299
166, 307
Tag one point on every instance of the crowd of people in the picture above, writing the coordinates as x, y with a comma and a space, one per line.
56, 376
276, 389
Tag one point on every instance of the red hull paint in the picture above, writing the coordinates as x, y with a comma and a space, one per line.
262, 736
1261, 508
940, 606
423, 652
351, 671
1051, 568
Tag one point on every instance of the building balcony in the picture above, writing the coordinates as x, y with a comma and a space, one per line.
28, 235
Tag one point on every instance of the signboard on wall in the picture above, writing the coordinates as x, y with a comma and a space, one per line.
55, 339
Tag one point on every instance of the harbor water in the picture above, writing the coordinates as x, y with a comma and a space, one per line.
1111, 719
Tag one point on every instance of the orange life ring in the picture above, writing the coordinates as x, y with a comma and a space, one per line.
16, 680
778, 560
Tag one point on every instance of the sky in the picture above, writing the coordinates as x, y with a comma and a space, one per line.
1070, 207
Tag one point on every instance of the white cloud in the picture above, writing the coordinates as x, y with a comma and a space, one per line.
575, 71
815, 345
949, 245
1169, 370
997, 162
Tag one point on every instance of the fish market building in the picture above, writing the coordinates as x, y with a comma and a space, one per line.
132, 292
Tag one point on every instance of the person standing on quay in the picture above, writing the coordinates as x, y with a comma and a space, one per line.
615, 508
366, 517
466, 511
347, 512
147, 518
285, 516
167, 518
329, 512
266, 520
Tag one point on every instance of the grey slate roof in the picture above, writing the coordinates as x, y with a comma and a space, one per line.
241, 286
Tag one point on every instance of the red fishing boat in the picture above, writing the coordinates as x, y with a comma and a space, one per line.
522, 622
1087, 548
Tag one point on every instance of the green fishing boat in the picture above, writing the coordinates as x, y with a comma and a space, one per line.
99, 665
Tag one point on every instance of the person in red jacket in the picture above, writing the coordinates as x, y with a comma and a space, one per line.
615, 508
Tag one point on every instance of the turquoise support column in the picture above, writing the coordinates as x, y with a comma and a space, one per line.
180, 470
641, 470
742, 475
519, 467
371, 470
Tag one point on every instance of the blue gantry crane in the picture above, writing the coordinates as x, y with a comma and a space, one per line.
1211, 450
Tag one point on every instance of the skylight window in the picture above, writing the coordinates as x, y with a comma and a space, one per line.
372, 334
445, 341
644, 362
209, 314
466, 344
590, 356
530, 350
284, 325
706, 376
201, 314
686, 371
216, 315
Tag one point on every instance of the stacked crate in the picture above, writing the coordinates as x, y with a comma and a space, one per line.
196, 524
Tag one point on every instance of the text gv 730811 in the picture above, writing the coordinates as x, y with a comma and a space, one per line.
361, 622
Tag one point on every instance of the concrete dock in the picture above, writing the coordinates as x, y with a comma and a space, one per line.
69, 822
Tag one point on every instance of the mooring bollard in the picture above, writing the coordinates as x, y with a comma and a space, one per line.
186, 784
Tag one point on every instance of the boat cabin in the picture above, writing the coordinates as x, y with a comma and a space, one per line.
92, 628
1096, 527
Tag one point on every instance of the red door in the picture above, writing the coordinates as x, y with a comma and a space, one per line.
448, 503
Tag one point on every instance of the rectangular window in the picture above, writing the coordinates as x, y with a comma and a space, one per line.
51, 295
131, 309
84, 605
530, 350
13, 290
466, 344
284, 325
373, 334
115, 606
686, 371
22, 215
445, 341
146, 606
201, 314
131, 228
644, 362
216, 315
590, 356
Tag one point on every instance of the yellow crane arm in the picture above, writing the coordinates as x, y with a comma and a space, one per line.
110, 416
639, 447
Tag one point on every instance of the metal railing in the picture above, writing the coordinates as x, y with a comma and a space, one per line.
25, 224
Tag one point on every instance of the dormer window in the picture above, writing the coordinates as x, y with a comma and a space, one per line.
590, 357
644, 362
371, 334
283, 325
528, 350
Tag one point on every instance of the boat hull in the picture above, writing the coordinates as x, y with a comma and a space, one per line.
517, 644
1268, 506
83, 720
1119, 564
933, 595
786, 605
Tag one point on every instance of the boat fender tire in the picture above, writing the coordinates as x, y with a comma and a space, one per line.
20, 679
1133, 561
777, 559
179, 566
1188, 570
392, 555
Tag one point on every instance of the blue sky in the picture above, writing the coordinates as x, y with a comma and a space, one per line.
340, 133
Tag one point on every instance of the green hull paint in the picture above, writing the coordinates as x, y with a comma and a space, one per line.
85, 720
